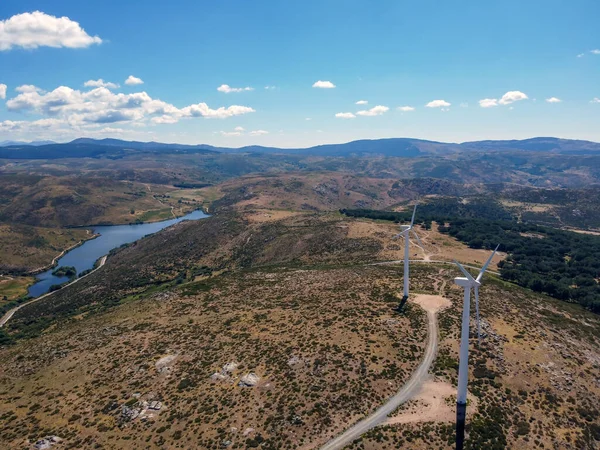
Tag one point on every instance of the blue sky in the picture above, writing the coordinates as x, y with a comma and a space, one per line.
512, 56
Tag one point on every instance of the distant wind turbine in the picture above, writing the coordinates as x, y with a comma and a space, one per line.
405, 233
468, 283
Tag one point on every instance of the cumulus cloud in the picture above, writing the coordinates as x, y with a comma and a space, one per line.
345, 115
71, 108
511, 97
596, 51
240, 131
553, 100
488, 102
323, 84
405, 108
581, 55
506, 99
270, 88
362, 102
438, 104
228, 89
375, 111
28, 88
595, 100
2, 91
101, 83
37, 29
133, 81
202, 110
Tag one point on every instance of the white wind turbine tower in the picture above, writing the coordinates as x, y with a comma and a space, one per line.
468, 283
405, 233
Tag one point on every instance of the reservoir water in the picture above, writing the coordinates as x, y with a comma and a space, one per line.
84, 256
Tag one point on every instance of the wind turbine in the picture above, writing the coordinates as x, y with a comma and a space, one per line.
468, 283
405, 233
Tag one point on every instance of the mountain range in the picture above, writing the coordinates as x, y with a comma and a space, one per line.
399, 147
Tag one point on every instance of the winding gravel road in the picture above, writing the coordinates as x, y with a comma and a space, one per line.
409, 390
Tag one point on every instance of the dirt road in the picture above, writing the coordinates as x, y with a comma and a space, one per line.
432, 304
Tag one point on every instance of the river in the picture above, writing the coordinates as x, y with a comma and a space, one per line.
112, 236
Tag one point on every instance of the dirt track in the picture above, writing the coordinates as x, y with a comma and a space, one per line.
432, 304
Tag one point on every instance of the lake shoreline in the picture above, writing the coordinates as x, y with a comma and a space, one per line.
54, 262
105, 239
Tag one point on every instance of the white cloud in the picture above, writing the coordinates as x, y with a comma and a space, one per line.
3, 91
595, 100
239, 131
511, 97
37, 29
228, 89
464, 105
438, 104
488, 102
270, 88
596, 51
374, 111
101, 83
507, 99
345, 115
362, 102
28, 88
581, 55
308, 118
133, 81
202, 110
323, 84
405, 108
553, 100
73, 108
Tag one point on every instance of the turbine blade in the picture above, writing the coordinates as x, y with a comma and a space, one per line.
417, 237
477, 311
413, 216
463, 270
487, 263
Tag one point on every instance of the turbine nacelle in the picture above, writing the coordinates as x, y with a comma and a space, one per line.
465, 282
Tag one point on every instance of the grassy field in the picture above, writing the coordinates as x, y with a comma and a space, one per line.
35, 212
25, 248
12, 288
267, 326
534, 378
327, 348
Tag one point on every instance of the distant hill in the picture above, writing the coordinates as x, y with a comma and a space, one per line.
135, 145
538, 144
398, 147
32, 143
91, 148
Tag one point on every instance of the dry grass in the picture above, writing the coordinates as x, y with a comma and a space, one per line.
25, 248
12, 288
326, 344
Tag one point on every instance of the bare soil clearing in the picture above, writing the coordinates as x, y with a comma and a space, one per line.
436, 402
431, 303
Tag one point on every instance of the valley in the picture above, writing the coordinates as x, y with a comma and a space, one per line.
274, 322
